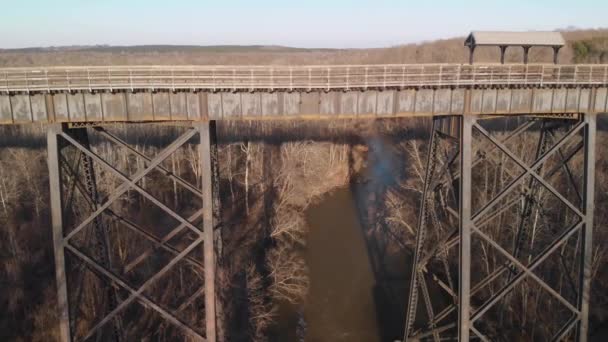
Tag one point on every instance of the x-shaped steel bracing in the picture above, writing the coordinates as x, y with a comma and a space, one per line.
131, 183
486, 214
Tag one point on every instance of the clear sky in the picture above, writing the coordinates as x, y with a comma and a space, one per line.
302, 23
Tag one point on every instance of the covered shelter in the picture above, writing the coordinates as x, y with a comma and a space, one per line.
524, 39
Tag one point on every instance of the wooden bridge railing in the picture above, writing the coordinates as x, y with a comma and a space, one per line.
344, 77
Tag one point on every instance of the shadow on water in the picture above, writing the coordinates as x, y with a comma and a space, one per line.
359, 280
340, 304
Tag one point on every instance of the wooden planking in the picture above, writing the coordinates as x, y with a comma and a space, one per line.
559, 100
270, 104
385, 103
601, 97
310, 103
520, 101
367, 102
294, 77
457, 102
329, 103
406, 100
584, 100
39, 112
424, 101
543, 101
291, 104
76, 107
165, 106
6, 112
503, 100
231, 105
348, 103
162, 106
214, 106
251, 104
442, 101
92, 107
60, 105
476, 100
22, 112
140, 106
572, 99
179, 109
193, 105
114, 107
488, 105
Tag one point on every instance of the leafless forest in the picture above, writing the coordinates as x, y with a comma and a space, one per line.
585, 46
272, 178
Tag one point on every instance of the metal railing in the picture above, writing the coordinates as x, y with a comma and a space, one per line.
343, 77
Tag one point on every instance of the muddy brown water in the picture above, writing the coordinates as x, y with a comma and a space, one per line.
357, 286
340, 305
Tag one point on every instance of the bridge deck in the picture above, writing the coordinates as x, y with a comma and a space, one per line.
296, 77
161, 93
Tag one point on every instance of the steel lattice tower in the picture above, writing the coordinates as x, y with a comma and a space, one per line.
73, 179
506, 218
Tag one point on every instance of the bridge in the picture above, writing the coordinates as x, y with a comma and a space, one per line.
194, 93
555, 98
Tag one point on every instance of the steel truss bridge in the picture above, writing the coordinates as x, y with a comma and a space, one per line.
557, 107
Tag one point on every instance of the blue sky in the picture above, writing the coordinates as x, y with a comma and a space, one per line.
303, 23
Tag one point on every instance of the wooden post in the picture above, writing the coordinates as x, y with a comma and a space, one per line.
503, 49
526, 51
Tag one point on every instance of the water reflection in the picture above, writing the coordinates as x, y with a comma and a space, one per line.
358, 275
340, 305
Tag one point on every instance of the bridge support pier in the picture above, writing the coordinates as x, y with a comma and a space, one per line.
53, 151
512, 201
103, 280
587, 229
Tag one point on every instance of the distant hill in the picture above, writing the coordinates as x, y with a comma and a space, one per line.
584, 46
164, 48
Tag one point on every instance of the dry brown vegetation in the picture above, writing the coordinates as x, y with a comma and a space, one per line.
270, 173
276, 180
441, 51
